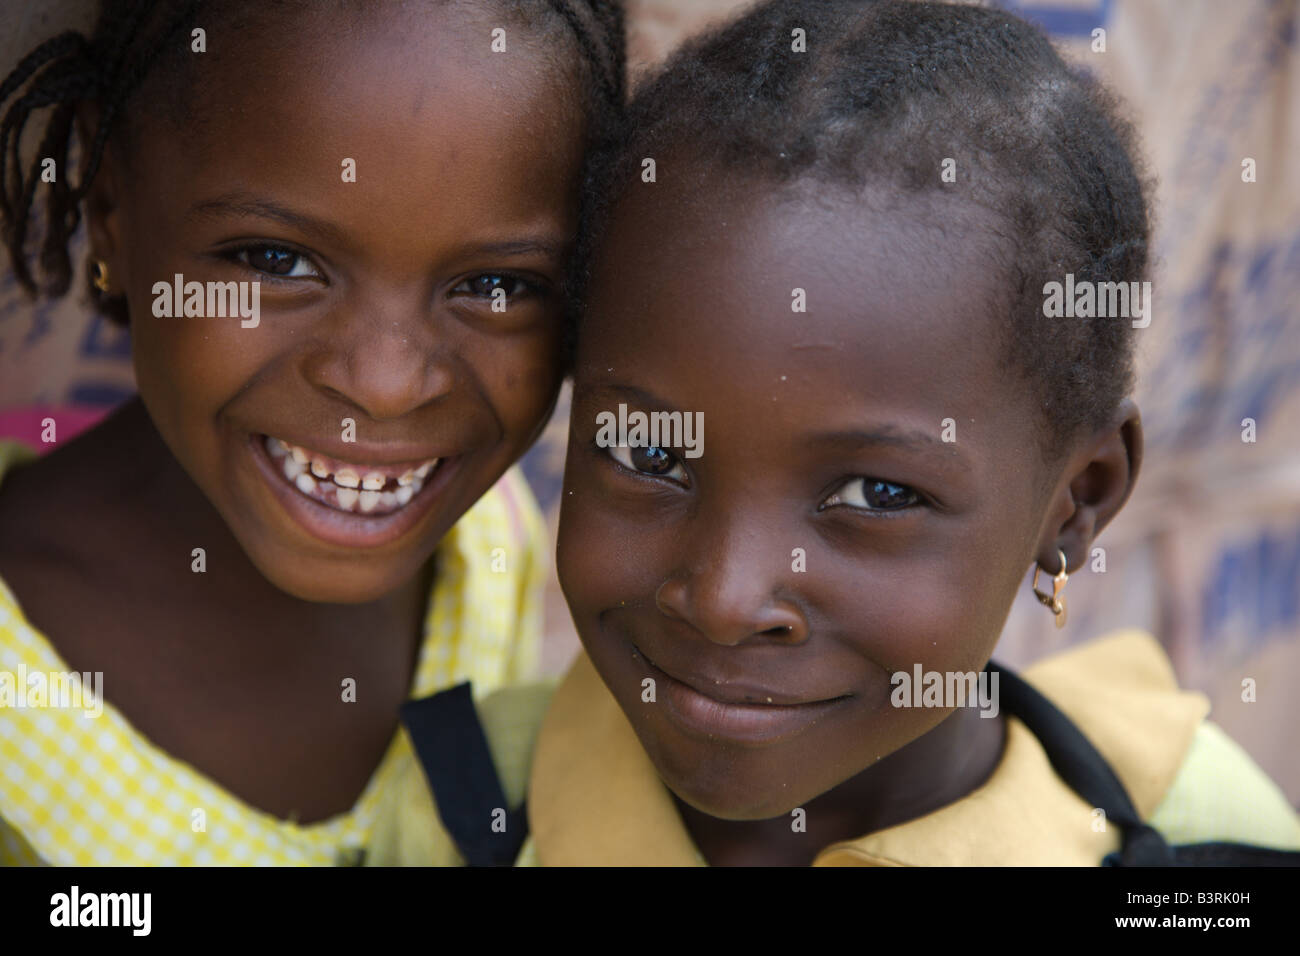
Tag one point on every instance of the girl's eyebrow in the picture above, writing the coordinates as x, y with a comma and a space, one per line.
522, 247
640, 396
891, 436
244, 204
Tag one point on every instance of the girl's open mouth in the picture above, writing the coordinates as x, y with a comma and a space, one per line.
350, 504
374, 490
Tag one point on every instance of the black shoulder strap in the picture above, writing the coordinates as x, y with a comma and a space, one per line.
457, 762
1079, 764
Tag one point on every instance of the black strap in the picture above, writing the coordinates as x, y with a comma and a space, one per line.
457, 762
1078, 763
1221, 854
454, 752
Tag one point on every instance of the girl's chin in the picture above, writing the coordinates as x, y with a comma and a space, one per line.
322, 581
725, 785
734, 804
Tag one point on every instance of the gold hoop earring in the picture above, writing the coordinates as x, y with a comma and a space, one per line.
100, 278
1054, 601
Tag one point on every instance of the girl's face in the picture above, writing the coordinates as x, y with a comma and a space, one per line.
828, 536
376, 295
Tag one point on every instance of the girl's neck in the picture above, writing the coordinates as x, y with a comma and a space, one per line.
936, 769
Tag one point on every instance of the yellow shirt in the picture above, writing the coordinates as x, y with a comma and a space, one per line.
81, 789
595, 799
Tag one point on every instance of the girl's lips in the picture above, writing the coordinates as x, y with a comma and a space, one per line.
341, 527
362, 489
751, 725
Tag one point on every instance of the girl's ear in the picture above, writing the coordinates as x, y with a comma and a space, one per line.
102, 199
1094, 486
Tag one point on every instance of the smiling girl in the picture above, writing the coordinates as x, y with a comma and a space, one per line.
302, 520
896, 435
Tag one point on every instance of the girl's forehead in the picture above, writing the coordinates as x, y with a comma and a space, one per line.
307, 59
423, 109
747, 299
787, 265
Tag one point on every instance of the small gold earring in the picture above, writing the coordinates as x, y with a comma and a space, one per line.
100, 279
1054, 601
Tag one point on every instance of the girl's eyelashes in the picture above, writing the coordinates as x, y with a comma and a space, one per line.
285, 262
653, 461
874, 495
486, 285
280, 262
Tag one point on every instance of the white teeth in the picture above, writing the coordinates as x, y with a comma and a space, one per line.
352, 491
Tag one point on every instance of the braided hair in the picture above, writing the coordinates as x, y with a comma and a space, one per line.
884, 93
138, 39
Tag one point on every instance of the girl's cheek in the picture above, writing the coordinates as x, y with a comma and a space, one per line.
521, 380
535, 388
602, 559
192, 367
586, 556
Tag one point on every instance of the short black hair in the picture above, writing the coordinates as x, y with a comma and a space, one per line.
135, 40
885, 92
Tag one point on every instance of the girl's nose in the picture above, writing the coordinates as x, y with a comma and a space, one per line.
385, 368
731, 600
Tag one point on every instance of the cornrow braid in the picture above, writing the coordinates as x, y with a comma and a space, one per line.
63, 72
54, 48
127, 70
609, 75
66, 52
611, 15
131, 38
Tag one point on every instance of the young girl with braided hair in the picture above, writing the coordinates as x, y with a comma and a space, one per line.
309, 514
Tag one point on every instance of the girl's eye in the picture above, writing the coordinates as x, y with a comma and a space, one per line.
277, 261
649, 461
872, 494
486, 284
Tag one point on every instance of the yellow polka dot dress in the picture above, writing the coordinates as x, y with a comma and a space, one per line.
80, 786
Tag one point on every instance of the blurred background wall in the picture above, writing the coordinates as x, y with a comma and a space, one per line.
1207, 553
